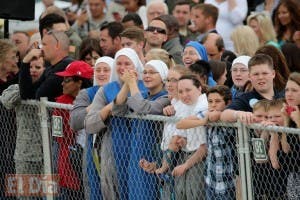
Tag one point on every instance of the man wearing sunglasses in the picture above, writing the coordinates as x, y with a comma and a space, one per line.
156, 35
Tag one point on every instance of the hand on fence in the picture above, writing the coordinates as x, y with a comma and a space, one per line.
245, 117
169, 110
179, 170
149, 167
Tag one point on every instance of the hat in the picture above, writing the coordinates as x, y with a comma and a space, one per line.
77, 68
104, 59
131, 55
199, 48
160, 67
242, 60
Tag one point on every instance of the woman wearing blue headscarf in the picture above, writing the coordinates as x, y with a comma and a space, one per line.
194, 51
116, 142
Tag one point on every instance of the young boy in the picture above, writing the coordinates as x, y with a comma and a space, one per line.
221, 157
270, 178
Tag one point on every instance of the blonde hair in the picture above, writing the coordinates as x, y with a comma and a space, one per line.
265, 25
163, 55
245, 41
5, 46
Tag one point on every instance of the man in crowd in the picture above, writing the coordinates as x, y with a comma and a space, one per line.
204, 18
156, 8
21, 40
55, 49
133, 37
89, 25
172, 44
156, 35
110, 40
182, 13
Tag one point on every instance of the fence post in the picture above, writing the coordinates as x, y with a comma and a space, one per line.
241, 152
46, 141
249, 182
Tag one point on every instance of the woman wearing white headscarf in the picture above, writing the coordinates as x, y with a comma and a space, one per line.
116, 141
144, 135
102, 75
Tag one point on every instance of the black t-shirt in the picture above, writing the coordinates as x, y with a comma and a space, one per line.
246, 101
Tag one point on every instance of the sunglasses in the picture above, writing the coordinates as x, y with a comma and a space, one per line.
157, 29
68, 79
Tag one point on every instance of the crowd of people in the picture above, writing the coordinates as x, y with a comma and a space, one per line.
201, 61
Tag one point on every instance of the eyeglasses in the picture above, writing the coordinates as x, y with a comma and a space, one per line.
150, 72
68, 79
157, 29
236, 70
190, 53
171, 80
51, 32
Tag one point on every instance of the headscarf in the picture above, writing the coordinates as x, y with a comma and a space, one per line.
131, 55
199, 48
160, 67
242, 60
109, 61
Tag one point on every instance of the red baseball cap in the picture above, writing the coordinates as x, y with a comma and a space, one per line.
77, 68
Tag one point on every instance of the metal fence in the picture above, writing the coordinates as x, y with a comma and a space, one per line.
42, 156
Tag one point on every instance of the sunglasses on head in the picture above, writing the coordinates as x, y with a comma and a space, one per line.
157, 29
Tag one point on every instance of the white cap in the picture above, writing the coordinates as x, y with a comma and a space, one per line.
160, 67
242, 60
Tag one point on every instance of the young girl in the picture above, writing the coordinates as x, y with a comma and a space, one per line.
188, 105
220, 153
188, 184
292, 119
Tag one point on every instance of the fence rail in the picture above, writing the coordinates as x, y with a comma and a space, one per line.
106, 164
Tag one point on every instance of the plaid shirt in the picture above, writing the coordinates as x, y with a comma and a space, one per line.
221, 159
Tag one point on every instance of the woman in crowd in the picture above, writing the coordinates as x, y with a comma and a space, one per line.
286, 20
292, 119
262, 25
240, 75
193, 52
245, 41
115, 139
90, 51
102, 74
69, 159
281, 68
144, 136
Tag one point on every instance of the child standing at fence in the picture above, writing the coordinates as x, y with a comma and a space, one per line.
179, 138
221, 157
270, 178
189, 181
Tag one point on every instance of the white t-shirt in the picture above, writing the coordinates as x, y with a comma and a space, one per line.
227, 21
195, 136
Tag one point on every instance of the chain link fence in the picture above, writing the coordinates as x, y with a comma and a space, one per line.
42, 157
